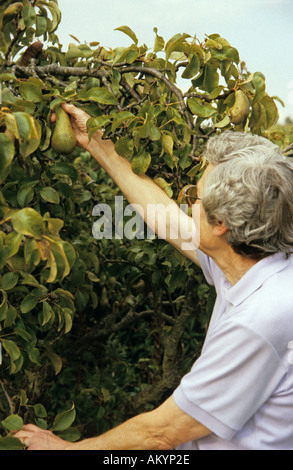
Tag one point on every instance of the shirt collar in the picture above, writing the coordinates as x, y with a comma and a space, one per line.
255, 277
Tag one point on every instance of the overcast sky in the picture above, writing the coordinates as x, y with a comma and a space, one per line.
261, 30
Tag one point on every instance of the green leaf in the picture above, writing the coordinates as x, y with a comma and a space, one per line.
126, 54
47, 313
120, 118
28, 303
193, 68
211, 78
168, 144
271, 110
28, 222
9, 281
26, 129
64, 420
67, 313
13, 423
50, 195
71, 435
11, 348
64, 169
23, 122
25, 196
201, 110
10, 13
164, 185
29, 16
124, 146
11, 443
258, 118
176, 43
73, 53
3, 305
30, 92
93, 124
141, 162
56, 14
41, 25
34, 356
159, 42
63, 267
129, 32
40, 411
11, 245
227, 53
6, 77
70, 253
259, 84
10, 317
6, 152
223, 123
55, 361
99, 94
23, 334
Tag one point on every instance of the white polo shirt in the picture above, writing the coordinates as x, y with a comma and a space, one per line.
241, 387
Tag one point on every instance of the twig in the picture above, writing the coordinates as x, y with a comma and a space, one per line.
14, 40
10, 402
108, 87
156, 73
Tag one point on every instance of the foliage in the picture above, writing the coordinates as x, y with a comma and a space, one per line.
94, 331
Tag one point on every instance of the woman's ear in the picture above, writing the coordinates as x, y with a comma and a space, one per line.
219, 228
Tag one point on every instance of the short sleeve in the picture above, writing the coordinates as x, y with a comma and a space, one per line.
236, 374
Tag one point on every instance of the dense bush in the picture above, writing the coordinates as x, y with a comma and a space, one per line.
94, 331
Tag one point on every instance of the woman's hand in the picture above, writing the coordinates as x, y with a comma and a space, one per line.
35, 438
78, 119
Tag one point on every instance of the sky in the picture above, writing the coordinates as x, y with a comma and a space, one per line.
261, 30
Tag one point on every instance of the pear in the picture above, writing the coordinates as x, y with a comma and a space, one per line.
63, 138
241, 108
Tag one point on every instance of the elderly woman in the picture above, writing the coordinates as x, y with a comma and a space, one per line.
239, 393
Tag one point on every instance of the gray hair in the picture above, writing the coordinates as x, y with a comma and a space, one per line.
251, 190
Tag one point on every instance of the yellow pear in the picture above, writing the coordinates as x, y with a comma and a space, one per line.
241, 108
63, 138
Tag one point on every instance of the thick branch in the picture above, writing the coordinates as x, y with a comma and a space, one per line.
60, 70
103, 74
171, 375
55, 69
171, 365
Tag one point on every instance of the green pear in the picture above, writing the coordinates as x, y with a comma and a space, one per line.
241, 108
63, 138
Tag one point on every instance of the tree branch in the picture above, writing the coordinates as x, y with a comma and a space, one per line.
14, 41
101, 73
63, 71
156, 73
171, 365
9, 400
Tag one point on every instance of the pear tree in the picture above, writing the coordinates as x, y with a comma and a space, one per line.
93, 330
